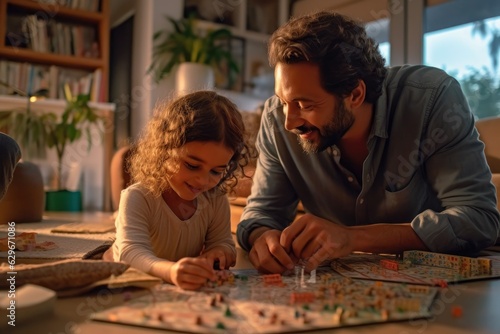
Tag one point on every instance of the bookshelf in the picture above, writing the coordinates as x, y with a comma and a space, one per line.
54, 58
252, 22
56, 36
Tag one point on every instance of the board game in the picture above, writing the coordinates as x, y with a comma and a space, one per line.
355, 290
246, 302
417, 267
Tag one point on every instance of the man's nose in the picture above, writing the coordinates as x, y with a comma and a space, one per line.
292, 117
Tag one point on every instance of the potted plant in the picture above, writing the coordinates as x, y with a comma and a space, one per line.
39, 131
188, 45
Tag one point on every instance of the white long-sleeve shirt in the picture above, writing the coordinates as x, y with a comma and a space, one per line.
147, 230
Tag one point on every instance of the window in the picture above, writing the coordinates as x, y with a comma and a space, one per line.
463, 38
379, 31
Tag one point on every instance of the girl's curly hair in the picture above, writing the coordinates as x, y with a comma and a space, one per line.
338, 45
199, 116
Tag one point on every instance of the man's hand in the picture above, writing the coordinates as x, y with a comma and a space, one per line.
315, 240
267, 255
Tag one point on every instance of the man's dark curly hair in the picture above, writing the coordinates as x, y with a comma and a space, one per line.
338, 44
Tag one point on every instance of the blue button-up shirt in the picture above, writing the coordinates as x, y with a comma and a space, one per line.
427, 168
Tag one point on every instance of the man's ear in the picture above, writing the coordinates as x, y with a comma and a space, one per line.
357, 96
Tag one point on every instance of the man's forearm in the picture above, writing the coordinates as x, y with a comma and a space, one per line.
385, 238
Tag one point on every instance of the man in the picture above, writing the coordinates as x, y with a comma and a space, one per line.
383, 160
10, 154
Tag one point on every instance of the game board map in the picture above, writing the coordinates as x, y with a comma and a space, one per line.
355, 290
247, 302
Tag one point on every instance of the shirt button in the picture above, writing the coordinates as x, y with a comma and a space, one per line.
350, 179
361, 201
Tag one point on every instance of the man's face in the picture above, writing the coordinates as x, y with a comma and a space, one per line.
317, 117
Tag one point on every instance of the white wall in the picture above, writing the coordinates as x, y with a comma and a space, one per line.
149, 17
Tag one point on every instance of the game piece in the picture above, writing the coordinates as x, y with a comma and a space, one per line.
228, 312
456, 311
389, 264
220, 325
441, 283
273, 279
384, 314
312, 276
418, 289
301, 297
273, 319
337, 316
299, 275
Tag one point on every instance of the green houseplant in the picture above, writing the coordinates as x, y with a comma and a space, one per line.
186, 43
39, 131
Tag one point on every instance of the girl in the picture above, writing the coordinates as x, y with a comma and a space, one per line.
174, 221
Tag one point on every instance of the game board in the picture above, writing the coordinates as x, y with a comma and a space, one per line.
358, 289
417, 267
246, 302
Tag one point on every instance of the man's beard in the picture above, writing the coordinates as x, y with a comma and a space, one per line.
331, 133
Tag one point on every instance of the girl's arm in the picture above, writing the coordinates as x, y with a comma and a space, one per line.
187, 273
219, 243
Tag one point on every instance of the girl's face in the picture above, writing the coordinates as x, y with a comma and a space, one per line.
201, 166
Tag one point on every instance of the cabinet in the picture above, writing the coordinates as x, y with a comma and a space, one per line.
251, 22
60, 40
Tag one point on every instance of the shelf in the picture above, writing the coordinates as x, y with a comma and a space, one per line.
27, 55
18, 102
50, 10
250, 21
80, 31
246, 34
95, 164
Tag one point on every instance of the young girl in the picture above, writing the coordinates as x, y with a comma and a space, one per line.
174, 221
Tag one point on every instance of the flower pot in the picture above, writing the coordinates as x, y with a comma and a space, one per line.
24, 200
191, 77
63, 200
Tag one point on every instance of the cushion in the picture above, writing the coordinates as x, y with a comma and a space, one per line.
60, 275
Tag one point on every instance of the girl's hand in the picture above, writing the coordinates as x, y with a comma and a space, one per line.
222, 254
192, 273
